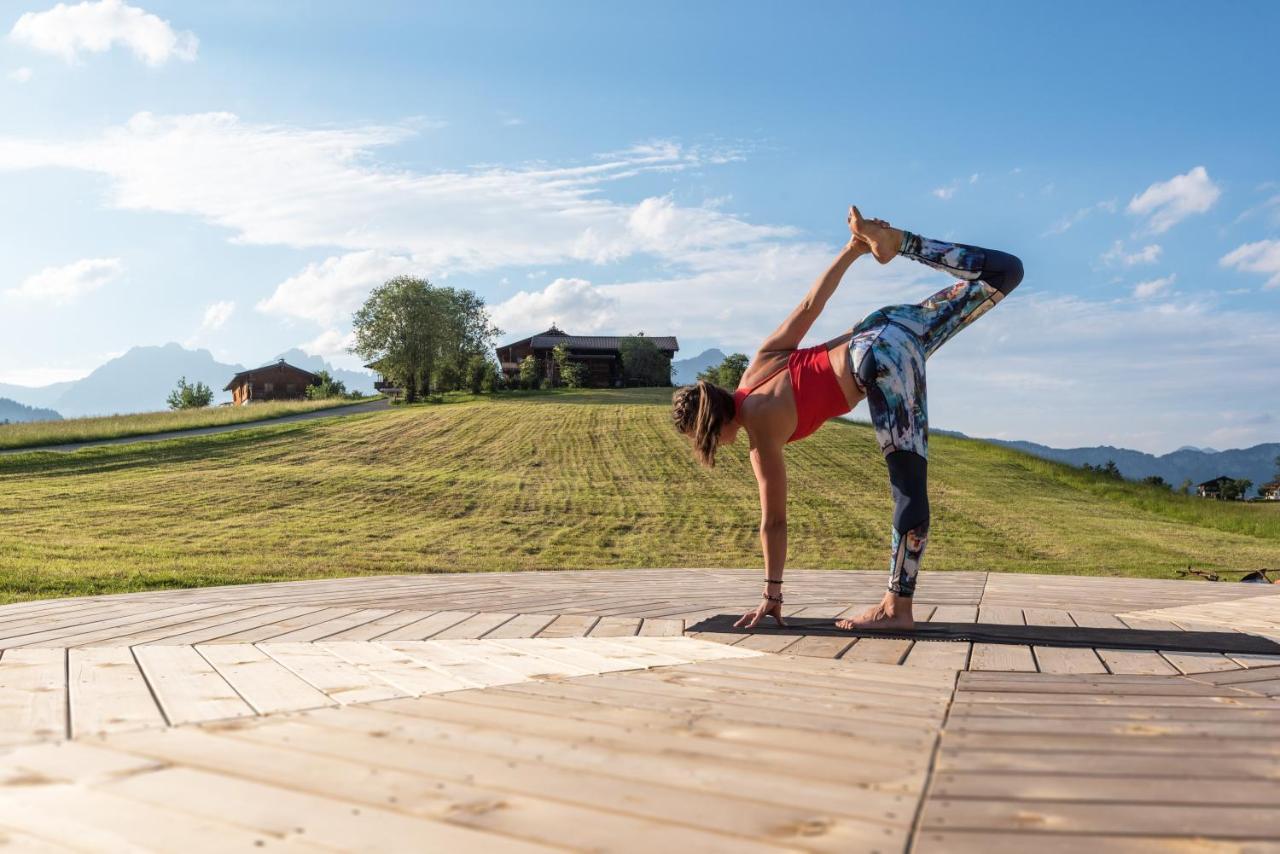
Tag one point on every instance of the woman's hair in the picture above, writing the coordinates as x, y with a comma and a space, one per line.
701, 411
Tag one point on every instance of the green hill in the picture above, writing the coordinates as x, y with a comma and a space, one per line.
561, 480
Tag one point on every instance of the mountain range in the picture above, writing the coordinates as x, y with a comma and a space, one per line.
685, 371
14, 412
1258, 463
141, 379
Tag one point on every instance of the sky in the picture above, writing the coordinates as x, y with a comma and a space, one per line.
237, 176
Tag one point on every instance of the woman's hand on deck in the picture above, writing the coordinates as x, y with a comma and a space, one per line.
766, 608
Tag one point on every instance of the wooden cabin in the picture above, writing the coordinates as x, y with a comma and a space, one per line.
276, 381
1270, 491
600, 354
1211, 488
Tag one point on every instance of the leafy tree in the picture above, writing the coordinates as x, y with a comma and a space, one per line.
479, 374
190, 396
325, 386
572, 374
417, 332
643, 363
728, 373
1185, 488
529, 372
1235, 490
1156, 480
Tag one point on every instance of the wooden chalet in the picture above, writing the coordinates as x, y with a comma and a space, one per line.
276, 381
1270, 491
601, 354
1211, 488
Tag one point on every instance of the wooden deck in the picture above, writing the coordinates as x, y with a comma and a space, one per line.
554, 711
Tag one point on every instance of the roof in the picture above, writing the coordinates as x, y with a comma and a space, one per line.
279, 364
1275, 484
1215, 481
599, 342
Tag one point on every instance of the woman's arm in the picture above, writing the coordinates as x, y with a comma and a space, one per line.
771, 474
792, 330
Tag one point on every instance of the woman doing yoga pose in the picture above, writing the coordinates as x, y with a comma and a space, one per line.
788, 392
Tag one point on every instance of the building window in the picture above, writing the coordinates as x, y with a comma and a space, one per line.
267, 388
292, 389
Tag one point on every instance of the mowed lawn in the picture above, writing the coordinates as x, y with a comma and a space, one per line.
29, 434
561, 480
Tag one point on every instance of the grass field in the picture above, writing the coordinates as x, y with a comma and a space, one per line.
35, 433
561, 480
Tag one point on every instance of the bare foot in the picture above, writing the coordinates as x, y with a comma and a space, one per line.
884, 239
893, 613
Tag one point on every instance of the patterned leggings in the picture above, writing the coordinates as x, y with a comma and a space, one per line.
887, 354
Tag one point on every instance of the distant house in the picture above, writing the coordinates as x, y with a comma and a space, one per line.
1270, 491
382, 384
276, 381
601, 354
1212, 488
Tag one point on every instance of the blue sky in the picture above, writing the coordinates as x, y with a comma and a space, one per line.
236, 176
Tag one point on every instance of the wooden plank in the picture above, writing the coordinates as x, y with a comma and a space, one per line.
1255, 660
999, 656
336, 677
287, 813
219, 627
521, 626
767, 643
658, 627
408, 673
539, 802
1059, 659
882, 650
380, 626
483, 662
1199, 662
820, 646
568, 626
616, 627
1096, 620
1245, 822
1113, 788
354, 618
1001, 615
187, 687
107, 692
426, 627
33, 695
263, 682
474, 627
1131, 661
939, 655
955, 614
1047, 617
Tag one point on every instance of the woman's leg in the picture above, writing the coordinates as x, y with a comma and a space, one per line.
893, 371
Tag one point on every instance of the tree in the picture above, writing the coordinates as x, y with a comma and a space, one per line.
1185, 488
572, 374
1156, 480
418, 333
190, 396
325, 387
728, 373
643, 363
1235, 490
528, 372
480, 374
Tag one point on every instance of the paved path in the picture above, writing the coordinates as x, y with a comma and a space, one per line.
552, 711
352, 409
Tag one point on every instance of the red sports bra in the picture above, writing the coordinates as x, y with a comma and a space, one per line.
815, 387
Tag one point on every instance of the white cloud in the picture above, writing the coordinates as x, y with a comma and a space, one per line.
574, 305
1118, 256
1153, 287
36, 377
330, 290
299, 187
1260, 257
331, 344
1166, 203
66, 284
67, 31
20, 75
217, 314
944, 193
